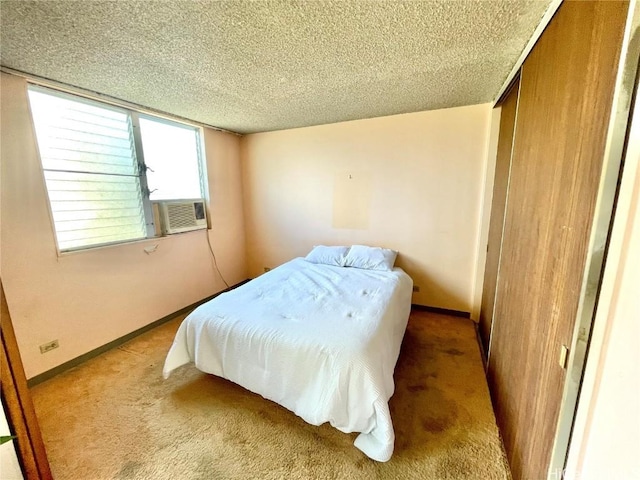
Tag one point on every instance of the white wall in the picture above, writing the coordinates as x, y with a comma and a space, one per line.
487, 199
9, 464
606, 435
89, 298
410, 182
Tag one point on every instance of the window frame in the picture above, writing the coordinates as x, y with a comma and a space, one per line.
134, 114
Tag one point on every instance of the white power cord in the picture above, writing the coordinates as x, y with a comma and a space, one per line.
213, 255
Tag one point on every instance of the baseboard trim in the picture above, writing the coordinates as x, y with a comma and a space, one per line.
44, 376
445, 311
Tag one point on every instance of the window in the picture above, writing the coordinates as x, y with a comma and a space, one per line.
104, 165
162, 143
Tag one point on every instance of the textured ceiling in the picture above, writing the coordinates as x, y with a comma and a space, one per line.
268, 65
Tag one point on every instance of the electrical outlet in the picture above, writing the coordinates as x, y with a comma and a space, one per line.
416, 288
266, 269
47, 347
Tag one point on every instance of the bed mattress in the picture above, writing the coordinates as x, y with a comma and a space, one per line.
320, 340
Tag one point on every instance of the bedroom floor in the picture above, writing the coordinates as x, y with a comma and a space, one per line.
114, 417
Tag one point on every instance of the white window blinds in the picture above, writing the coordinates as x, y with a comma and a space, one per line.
90, 167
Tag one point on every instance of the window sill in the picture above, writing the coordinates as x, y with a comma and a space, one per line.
144, 242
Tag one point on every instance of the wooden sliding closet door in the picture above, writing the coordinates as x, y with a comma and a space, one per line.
498, 204
566, 93
17, 401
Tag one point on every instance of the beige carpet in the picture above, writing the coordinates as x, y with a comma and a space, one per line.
115, 417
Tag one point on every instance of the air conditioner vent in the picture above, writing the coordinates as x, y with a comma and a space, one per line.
178, 216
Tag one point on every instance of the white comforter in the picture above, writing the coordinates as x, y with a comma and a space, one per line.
319, 340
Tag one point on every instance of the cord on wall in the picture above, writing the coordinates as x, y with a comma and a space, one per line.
213, 255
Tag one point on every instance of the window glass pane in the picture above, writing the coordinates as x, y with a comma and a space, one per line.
171, 155
90, 170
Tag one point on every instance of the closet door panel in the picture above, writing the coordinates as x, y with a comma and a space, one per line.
498, 204
566, 94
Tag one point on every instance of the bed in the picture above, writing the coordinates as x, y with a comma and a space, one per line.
321, 340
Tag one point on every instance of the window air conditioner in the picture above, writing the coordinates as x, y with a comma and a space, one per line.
178, 216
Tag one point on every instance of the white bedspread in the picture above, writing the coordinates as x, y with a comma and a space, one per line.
319, 340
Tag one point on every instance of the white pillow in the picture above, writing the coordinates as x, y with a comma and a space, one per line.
371, 258
327, 255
